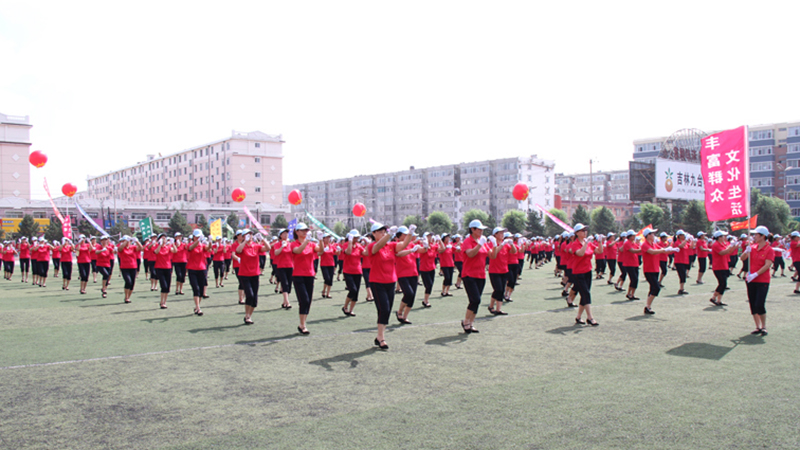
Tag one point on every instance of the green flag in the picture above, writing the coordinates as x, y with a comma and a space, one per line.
146, 228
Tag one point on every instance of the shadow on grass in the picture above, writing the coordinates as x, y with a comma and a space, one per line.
555, 298
563, 331
220, 328
445, 340
714, 308
713, 352
166, 319
646, 318
350, 358
267, 341
623, 302
330, 319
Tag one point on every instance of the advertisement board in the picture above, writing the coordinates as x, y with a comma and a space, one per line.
679, 180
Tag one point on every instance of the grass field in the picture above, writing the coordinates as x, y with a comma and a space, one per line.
80, 371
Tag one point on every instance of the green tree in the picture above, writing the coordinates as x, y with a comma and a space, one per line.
340, 228
413, 220
119, 229
85, 228
603, 221
651, 214
2, 234
490, 224
535, 226
552, 228
581, 215
178, 224
632, 223
439, 223
53, 231
279, 224
666, 223
695, 218
477, 214
773, 212
27, 227
202, 224
515, 221
233, 221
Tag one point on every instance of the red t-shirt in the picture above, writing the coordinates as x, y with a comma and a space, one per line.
457, 255
303, 262
406, 266
366, 262
8, 253
703, 249
164, 257
66, 253
284, 259
105, 255
795, 250
218, 252
719, 262
446, 257
83, 253
44, 252
24, 250
682, 257
181, 256
196, 259
427, 260
581, 264
327, 256
628, 258
499, 264
474, 267
128, 257
249, 265
352, 262
664, 256
383, 262
229, 251
520, 253
57, 253
650, 262
610, 250
757, 260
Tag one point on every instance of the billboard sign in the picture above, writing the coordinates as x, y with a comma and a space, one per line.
679, 180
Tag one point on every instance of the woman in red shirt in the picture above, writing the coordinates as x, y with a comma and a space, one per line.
610, 253
327, 264
179, 261
285, 263
84, 249
383, 275
218, 260
651, 265
407, 273
702, 255
66, 263
629, 256
512, 261
128, 251
366, 266
352, 270
582, 273
427, 265
447, 264
475, 253
761, 255
794, 252
163, 251
249, 270
458, 259
56, 258
663, 259
197, 266
236, 262
681, 259
720, 262
105, 253
303, 249
228, 257
24, 258
8, 252
42, 249
499, 247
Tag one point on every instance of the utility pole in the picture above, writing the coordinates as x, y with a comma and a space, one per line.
591, 186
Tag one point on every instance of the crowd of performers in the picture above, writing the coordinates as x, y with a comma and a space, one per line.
394, 260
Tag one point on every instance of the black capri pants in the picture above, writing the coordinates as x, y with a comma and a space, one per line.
796, 265
199, 280
250, 288
447, 273
327, 275
652, 280
474, 288
583, 286
512, 275
8, 266
365, 271
219, 269
734, 258
612, 267
105, 272
427, 280
129, 277
409, 287
682, 269
663, 266
285, 278
459, 266
66, 270
701, 262
633, 274
94, 265
304, 289
722, 280
352, 283
24, 264
153, 274
44, 267
746, 265
164, 279
83, 271
498, 281
757, 295
775, 264
384, 300
180, 272
600, 265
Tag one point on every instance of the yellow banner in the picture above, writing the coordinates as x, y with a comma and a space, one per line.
216, 229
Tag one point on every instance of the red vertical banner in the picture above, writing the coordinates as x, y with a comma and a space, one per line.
66, 228
725, 165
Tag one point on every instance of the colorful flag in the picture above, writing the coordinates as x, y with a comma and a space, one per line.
290, 228
320, 225
555, 219
66, 227
751, 223
255, 222
146, 227
640, 234
90, 220
725, 164
216, 228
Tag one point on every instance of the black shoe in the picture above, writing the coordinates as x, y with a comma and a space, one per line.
497, 312
634, 298
579, 321
660, 285
427, 305
463, 325
796, 291
302, 331
648, 310
764, 332
247, 322
756, 331
564, 293
592, 322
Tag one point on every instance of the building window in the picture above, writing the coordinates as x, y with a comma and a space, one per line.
761, 151
758, 182
793, 131
760, 167
793, 148
258, 145
258, 160
258, 174
258, 188
760, 135
163, 216
266, 219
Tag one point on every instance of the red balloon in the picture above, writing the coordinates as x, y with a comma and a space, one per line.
359, 210
238, 195
69, 189
38, 159
295, 197
520, 191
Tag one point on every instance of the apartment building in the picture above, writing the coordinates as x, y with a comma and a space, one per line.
208, 173
611, 186
453, 189
15, 146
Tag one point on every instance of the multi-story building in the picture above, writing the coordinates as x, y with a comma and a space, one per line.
774, 159
453, 189
612, 186
15, 143
208, 173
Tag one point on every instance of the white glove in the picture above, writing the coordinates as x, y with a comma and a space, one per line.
482, 240
449, 246
493, 240
750, 277
319, 234
349, 238
747, 250
393, 230
247, 238
426, 244
458, 247
313, 240
416, 248
411, 228
508, 242
285, 243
